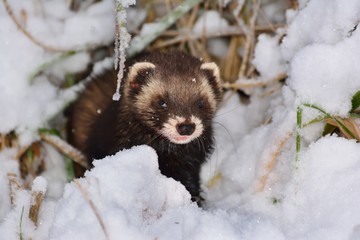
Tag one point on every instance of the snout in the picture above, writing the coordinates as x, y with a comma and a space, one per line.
185, 129
182, 130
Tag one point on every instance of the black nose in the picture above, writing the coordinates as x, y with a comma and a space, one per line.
185, 129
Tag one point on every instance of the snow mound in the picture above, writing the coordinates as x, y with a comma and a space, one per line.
323, 50
325, 191
126, 190
126, 195
335, 79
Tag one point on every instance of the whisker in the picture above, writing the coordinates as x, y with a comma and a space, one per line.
227, 112
156, 137
229, 134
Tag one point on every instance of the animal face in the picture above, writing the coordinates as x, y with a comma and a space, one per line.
177, 105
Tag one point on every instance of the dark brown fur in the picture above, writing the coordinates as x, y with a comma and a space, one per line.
100, 126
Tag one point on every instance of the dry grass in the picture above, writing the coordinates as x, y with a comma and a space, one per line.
14, 186
270, 163
37, 198
349, 123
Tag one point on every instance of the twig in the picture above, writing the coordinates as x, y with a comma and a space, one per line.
180, 36
270, 164
92, 206
122, 39
189, 25
250, 37
243, 84
140, 42
65, 148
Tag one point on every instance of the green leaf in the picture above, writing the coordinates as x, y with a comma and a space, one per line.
355, 101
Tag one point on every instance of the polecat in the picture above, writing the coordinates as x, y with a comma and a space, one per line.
168, 101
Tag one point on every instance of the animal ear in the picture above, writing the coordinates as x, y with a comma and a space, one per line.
139, 73
212, 74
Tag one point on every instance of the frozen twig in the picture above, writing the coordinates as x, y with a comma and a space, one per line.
140, 42
65, 148
92, 206
122, 40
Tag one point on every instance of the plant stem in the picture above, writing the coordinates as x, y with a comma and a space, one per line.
21, 218
298, 127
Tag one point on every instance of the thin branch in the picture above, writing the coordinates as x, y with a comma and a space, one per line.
243, 84
250, 38
65, 148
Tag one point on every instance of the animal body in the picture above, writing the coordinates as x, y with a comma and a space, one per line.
168, 101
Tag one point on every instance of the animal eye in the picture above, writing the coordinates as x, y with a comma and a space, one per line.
162, 104
201, 103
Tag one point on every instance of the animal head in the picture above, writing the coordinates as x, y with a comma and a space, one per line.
176, 96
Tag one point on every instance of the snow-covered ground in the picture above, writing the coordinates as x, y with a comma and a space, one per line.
126, 197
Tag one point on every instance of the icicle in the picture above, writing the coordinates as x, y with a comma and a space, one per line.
122, 39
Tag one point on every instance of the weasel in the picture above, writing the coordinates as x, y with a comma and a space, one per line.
168, 101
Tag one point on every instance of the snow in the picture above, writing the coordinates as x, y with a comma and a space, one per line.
210, 22
39, 184
125, 195
21, 57
267, 58
332, 83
